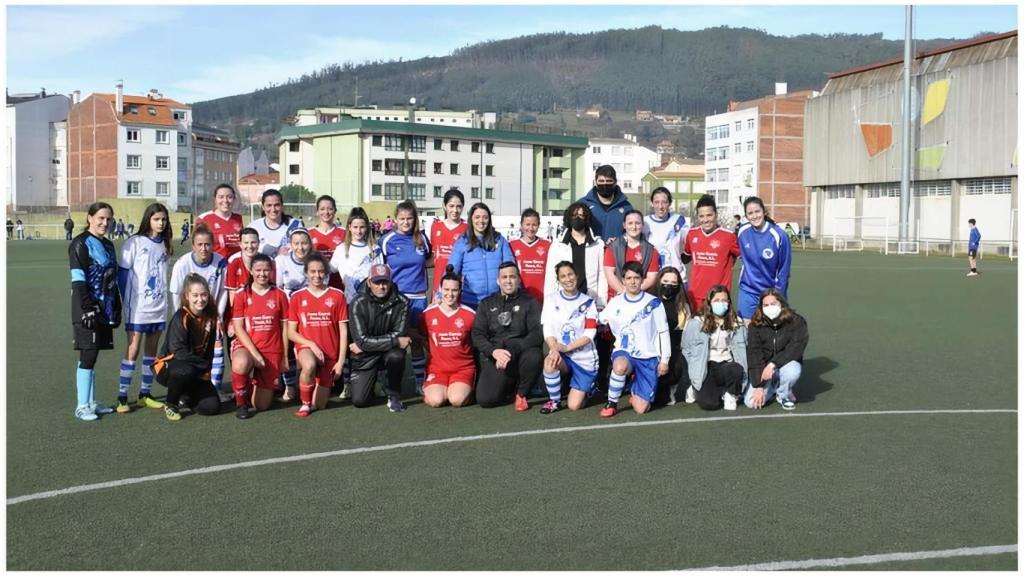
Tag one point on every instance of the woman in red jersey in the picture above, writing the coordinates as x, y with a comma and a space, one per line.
448, 324
444, 234
225, 224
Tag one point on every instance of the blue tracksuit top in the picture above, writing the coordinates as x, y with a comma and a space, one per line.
408, 265
479, 268
607, 220
975, 240
766, 258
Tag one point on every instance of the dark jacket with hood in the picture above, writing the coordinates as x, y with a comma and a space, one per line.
607, 220
778, 343
376, 323
524, 328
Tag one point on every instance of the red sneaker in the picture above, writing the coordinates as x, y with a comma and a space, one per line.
610, 409
304, 410
521, 404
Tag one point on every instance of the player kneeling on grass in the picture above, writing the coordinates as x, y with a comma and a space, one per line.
318, 325
776, 340
378, 320
715, 346
187, 355
642, 343
451, 369
569, 318
260, 315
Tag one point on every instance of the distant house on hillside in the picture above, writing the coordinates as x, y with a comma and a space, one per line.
644, 115
594, 111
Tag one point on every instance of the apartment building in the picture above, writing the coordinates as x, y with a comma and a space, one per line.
36, 160
631, 160
214, 160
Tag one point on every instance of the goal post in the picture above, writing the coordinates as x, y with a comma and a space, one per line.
861, 232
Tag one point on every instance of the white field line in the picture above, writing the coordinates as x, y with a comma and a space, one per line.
459, 439
872, 559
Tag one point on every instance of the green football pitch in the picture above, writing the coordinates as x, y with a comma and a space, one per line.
904, 441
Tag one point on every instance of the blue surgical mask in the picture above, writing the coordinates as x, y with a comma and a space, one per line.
719, 308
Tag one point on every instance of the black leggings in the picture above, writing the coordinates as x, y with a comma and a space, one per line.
87, 359
364, 375
184, 379
494, 386
722, 377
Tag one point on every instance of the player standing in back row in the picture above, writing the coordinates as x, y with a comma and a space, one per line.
225, 224
713, 251
766, 253
531, 254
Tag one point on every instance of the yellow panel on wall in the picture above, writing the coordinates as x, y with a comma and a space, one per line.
935, 100
930, 158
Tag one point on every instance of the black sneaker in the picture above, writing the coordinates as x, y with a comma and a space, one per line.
550, 407
242, 413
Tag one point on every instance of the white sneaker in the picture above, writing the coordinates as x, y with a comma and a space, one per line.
345, 394
972, 273
729, 400
691, 395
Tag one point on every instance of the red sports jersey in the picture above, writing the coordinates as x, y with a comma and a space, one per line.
442, 239
326, 243
450, 346
226, 232
713, 256
632, 255
318, 317
532, 260
238, 275
263, 316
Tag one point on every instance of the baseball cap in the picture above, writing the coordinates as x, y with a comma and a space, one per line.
380, 272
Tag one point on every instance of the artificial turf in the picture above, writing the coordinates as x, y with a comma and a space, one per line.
887, 333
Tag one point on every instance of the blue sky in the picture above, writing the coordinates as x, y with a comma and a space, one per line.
196, 52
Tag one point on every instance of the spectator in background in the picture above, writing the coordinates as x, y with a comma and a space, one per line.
131, 228
185, 227
69, 226
10, 229
608, 205
972, 246
121, 229
388, 225
20, 229
736, 221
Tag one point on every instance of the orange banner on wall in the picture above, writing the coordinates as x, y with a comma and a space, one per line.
877, 137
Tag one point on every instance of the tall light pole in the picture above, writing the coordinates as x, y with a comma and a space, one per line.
908, 121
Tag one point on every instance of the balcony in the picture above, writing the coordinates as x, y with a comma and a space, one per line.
562, 162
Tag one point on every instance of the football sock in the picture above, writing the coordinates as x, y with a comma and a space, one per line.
553, 382
239, 382
82, 379
217, 371
147, 375
615, 385
92, 386
306, 393
127, 370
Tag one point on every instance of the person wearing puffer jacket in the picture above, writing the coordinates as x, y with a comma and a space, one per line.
478, 254
715, 347
777, 338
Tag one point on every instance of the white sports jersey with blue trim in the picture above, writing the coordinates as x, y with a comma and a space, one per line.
354, 267
290, 276
567, 319
143, 280
665, 235
213, 272
272, 239
639, 325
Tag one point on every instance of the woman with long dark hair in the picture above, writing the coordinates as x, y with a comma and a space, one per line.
445, 233
668, 287
478, 254
225, 224
776, 340
715, 345
766, 253
275, 227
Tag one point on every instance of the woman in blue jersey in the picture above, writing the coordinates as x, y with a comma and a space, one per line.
766, 253
95, 303
406, 250
143, 283
477, 255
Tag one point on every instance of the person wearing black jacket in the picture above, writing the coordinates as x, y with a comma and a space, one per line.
669, 287
377, 320
187, 355
508, 337
776, 340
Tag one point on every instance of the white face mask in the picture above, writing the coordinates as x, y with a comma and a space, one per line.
772, 311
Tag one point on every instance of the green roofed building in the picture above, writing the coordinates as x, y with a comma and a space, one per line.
377, 163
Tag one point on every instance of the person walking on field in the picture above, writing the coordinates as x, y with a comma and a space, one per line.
972, 247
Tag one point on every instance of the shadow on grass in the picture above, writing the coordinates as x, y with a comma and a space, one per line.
811, 381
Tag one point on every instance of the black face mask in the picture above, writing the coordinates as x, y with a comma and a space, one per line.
606, 190
578, 224
668, 291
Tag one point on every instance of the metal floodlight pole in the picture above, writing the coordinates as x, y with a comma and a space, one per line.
908, 60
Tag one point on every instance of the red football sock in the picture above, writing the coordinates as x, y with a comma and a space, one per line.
239, 382
306, 393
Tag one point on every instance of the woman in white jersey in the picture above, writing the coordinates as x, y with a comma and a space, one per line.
275, 226
353, 258
142, 279
569, 318
665, 230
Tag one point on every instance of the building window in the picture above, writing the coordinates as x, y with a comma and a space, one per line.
182, 165
181, 139
438, 167
933, 188
437, 144
418, 168
722, 197
489, 193
293, 169
596, 166
377, 165
417, 192
453, 169
163, 189
474, 192
555, 194
394, 191
133, 108
162, 137
738, 125
394, 167
711, 176
887, 190
839, 192
980, 186
557, 152
438, 192
375, 141
455, 145
375, 190
293, 146
489, 170
134, 188
723, 174
627, 167
417, 144
627, 184
616, 150
393, 143
162, 162
134, 161
490, 148
596, 149
750, 123
181, 189
474, 170
711, 133
750, 146
132, 135
737, 147
178, 115
475, 147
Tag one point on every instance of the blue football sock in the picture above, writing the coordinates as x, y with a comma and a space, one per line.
83, 377
217, 371
147, 375
615, 385
127, 370
553, 382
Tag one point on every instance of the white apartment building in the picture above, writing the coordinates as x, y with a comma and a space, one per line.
331, 115
631, 160
730, 158
36, 159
